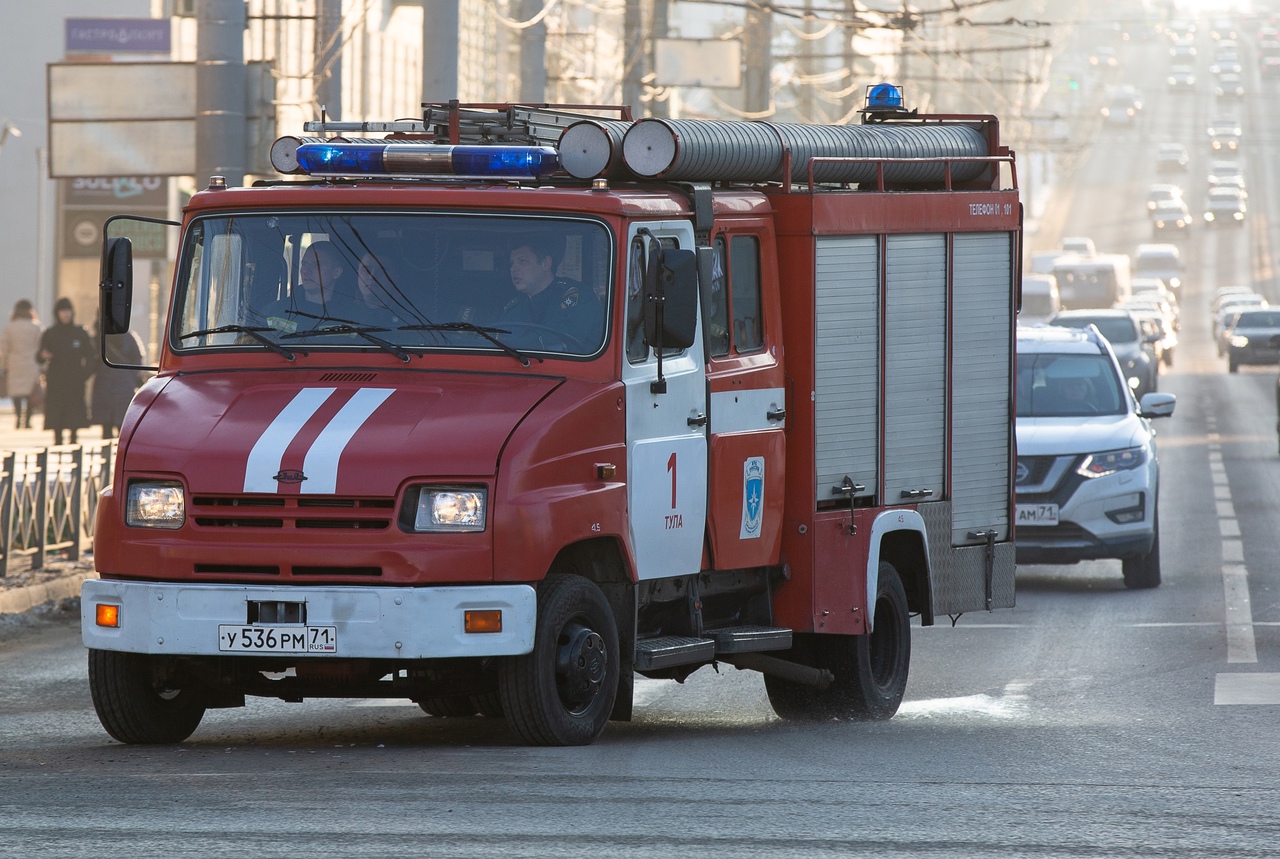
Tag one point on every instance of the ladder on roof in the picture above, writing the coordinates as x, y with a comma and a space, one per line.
515, 124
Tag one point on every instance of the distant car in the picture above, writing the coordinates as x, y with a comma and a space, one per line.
1160, 260
1225, 316
1122, 104
1104, 55
1226, 173
1221, 28
1082, 245
1132, 346
1270, 65
1182, 78
1229, 86
1224, 134
1225, 205
1182, 52
1171, 157
1157, 326
1040, 299
1171, 216
1254, 339
1226, 67
1160, 192
1088, 478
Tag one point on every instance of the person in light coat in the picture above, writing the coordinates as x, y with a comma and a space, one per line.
19, 341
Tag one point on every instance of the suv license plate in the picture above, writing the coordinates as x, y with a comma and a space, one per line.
277, 639
1037, 514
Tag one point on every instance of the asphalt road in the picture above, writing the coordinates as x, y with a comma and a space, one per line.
1089, 721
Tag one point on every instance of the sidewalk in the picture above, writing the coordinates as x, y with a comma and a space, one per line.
24, 589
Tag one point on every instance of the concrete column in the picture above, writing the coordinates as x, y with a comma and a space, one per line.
440, 23
758, 47
220, 91
328, 54
533, 55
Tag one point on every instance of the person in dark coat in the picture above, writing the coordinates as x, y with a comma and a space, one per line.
113, 387
67, 352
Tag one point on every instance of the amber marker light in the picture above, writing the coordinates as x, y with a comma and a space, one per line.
108, 615
488, 620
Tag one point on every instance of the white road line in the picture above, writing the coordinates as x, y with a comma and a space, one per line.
1226, 510
1242, 688
1240, 643
1229, 527
1232, 552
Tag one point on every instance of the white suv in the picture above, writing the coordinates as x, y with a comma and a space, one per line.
1087, 477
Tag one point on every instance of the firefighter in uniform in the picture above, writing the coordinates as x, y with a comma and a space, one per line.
551, 301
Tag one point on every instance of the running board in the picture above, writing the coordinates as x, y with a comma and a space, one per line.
671, 650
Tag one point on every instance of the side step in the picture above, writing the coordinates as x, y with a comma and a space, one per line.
671, 650
750, 639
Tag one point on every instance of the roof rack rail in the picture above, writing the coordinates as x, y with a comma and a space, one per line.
477, 124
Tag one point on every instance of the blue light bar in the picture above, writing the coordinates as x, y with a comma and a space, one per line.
338, 158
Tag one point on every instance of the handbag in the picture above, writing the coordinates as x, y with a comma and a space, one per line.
37, 394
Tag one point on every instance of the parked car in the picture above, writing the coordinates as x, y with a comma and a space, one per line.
1088, 475
1225, 205
1254, 338
1132, 345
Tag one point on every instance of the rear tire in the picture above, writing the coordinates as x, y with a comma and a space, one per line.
870, 670
562, 693
1142, 573
137, 704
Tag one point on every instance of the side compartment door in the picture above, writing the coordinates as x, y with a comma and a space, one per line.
666, 432
748, 403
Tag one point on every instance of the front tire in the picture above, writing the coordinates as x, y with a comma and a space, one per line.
1144, 572
870, 670
562, 693
137, 704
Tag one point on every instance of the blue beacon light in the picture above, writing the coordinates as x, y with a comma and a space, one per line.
339, 158
884, 96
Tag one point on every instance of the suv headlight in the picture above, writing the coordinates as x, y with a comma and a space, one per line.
449, 509
155, 504
1102, 464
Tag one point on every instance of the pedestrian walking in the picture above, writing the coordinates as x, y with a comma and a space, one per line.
113, 387
19, 341
67, 352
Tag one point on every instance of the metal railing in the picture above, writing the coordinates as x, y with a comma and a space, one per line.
48, 500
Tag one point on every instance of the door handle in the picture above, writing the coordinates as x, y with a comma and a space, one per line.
916, 493
776, 414
697, 421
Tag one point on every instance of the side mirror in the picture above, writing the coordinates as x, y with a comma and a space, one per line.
116, 285
678, 279
1157, 405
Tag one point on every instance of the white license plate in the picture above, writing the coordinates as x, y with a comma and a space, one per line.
277, 639
1037, 514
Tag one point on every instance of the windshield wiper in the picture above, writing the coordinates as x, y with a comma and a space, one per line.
486, 333
360, 331
255, 333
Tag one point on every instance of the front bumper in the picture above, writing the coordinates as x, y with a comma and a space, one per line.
177, 619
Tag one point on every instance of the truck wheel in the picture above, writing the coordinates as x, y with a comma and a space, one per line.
561, 694
488, 704
870, 670
450, 706
135, 705
1144, 572
1232, 366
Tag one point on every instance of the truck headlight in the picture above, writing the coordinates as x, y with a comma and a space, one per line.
155, 504
1102, 464
449, 508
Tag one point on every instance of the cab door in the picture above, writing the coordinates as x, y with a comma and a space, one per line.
666, 432
748, 403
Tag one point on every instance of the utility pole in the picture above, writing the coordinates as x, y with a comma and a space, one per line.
440, 23
758, 46
220, 91
328, 54
661, 22
533, 55
633, 65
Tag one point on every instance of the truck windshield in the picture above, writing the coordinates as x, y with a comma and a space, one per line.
401, 283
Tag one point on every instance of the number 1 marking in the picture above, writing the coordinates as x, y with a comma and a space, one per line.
671, 467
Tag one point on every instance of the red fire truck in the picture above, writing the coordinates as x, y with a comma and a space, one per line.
497, 409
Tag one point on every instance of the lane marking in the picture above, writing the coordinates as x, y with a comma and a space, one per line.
1243, 688
1240, 642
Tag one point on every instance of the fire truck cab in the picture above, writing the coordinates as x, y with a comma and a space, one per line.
505, 407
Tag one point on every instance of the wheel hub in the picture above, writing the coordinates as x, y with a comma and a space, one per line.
580, 665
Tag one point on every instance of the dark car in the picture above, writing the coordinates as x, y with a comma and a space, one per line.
1131, 343
1254, 339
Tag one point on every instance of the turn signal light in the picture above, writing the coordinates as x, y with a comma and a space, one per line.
108, 615
488, 620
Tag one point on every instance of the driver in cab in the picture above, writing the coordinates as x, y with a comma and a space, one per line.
550, 301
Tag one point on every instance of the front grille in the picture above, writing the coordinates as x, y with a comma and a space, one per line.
1032, 469
349, 377
1065, 532
283, 512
